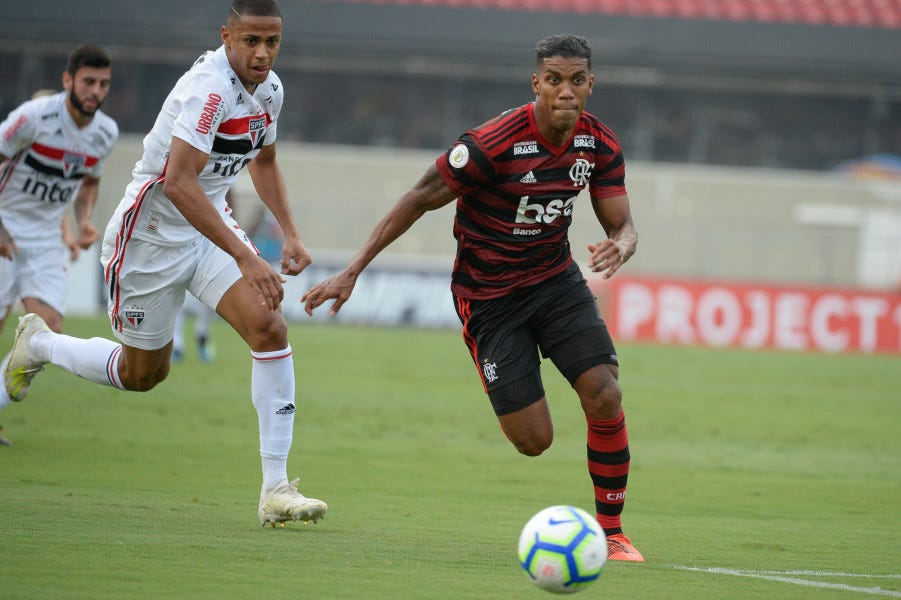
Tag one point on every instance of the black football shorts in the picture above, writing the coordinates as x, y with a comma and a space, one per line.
558, 317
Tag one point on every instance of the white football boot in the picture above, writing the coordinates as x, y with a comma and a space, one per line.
284, 503
22, 366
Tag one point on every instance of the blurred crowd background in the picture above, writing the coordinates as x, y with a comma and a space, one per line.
798, 84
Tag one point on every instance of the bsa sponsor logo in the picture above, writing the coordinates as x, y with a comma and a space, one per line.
583, 141
536, 212
256, 127
14, 129
210, 110
528, 147
459, 156
71, 162
580, 172
50, 115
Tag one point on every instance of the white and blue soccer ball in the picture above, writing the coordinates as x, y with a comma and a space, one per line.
563, 549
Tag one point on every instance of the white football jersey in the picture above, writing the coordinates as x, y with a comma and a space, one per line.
210, 109
47, 157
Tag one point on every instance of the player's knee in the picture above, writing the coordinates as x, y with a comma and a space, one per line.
270, 333
534, 444
145, 380
600, 394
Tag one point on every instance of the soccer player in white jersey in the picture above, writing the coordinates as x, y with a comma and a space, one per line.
172, 233
52, 150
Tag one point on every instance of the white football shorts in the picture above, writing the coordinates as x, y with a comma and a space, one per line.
35, 273
147, 285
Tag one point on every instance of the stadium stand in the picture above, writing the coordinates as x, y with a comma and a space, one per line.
841, 13
801, 84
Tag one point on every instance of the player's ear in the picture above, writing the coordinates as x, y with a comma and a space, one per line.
535, 83
223, 33
67, 81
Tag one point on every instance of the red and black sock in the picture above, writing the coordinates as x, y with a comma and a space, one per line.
608, 465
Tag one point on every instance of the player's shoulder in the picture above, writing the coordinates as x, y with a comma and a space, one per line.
45, 107
504, 130
106, 126
211, 75
590, 126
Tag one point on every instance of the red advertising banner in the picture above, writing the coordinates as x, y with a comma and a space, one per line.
721, 314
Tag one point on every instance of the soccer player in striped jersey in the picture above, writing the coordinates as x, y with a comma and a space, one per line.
52, 149
518, 292
173, 233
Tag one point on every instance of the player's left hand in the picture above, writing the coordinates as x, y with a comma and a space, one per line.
608, 256
295, 257
87, 235
338, 287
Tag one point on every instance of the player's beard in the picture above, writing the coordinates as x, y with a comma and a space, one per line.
80, 107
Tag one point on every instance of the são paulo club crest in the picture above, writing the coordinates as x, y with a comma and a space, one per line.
71, 162
255, 127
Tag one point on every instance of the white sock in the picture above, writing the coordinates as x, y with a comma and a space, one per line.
95, 359
272, 391
4, 397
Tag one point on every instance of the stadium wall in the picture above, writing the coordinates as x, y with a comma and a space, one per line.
693, 221
736, 257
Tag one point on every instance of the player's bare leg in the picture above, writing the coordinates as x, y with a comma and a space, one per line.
529, 429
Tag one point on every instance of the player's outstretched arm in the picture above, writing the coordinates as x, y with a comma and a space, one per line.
429, 193
615, 217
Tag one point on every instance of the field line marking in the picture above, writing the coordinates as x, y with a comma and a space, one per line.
780, 576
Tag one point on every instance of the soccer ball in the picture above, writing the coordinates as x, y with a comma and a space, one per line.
563, 549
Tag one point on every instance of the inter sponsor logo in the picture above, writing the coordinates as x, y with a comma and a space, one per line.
49, 191
205, 124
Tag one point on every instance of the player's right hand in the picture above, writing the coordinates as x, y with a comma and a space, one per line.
8, 247
263, 280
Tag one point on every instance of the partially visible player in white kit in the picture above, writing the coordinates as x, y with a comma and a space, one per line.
52, 150
172, 233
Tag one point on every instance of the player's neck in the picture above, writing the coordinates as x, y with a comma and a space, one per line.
81, 120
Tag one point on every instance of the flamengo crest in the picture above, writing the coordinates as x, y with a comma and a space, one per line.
580, 172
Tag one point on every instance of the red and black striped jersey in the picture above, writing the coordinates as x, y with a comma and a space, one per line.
517, 193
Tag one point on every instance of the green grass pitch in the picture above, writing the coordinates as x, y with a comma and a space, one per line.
754, 475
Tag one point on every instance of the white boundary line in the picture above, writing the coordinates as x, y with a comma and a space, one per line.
783, 576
